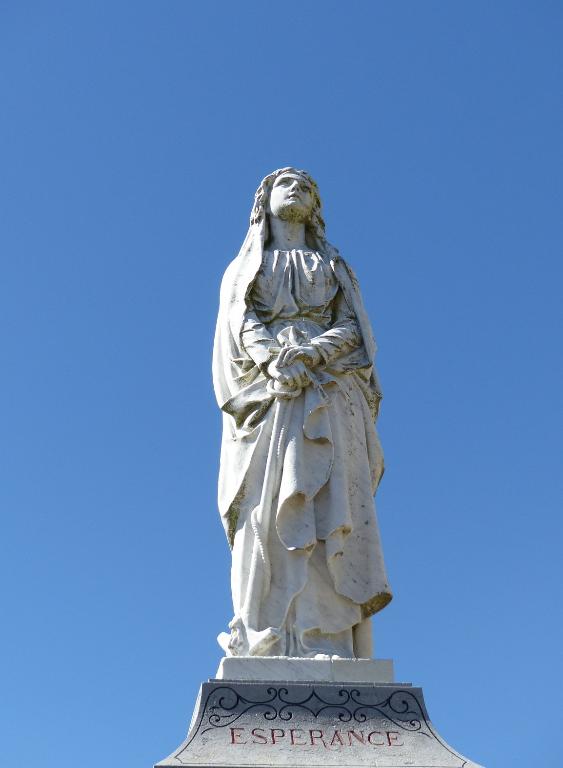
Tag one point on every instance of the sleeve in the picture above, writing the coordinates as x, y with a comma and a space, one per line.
343, 336
257, 341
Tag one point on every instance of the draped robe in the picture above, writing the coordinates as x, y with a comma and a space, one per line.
298, 470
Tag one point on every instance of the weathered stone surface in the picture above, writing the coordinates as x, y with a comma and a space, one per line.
268, 724
288, 669
293, 372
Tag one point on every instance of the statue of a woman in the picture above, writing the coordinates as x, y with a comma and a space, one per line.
300, 460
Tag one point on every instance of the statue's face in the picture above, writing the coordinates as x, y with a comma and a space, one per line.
291, 198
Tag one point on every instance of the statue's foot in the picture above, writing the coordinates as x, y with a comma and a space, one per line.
243, 641
259, 643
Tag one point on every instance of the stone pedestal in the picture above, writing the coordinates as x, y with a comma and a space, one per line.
286, 669
318, 722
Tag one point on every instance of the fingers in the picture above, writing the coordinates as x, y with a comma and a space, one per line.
280, 362
286, 357
289, 355
286, 376
306, 377
298, 374
285, 379
289, 370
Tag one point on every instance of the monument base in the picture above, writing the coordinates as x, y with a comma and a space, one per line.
330, 669
317, 722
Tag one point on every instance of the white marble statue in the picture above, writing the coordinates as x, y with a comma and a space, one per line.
300, 459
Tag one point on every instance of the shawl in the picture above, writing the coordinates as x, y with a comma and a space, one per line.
239, 384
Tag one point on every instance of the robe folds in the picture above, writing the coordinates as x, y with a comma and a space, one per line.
298, 468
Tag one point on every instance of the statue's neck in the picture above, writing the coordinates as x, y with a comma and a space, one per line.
286, 235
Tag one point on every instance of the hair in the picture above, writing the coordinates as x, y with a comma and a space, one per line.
314, 227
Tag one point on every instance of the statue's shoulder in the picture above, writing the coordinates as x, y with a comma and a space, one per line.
232, 268
239, 274
236, 268
343, 271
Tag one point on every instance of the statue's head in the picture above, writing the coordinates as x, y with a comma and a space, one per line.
292, 195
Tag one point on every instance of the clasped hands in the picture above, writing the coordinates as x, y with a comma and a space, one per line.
293, 365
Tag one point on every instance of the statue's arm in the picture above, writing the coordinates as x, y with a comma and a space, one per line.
258, 341
342, 337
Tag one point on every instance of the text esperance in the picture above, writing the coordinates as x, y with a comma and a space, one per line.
315, 737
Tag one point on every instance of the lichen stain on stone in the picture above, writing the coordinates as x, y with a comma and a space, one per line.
234, 514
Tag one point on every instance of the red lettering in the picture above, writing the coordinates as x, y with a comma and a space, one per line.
376, 743
320, 736
235, 736
393, 739
334, 740
274, 731
293, 734
359, 736
259, 738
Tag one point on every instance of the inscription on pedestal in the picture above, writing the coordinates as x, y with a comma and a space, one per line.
317, 724
297, 737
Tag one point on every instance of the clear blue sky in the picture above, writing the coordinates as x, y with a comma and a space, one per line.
133, 135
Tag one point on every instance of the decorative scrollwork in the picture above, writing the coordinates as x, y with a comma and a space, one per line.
225, 705
315, 704
227, 710
396, 704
